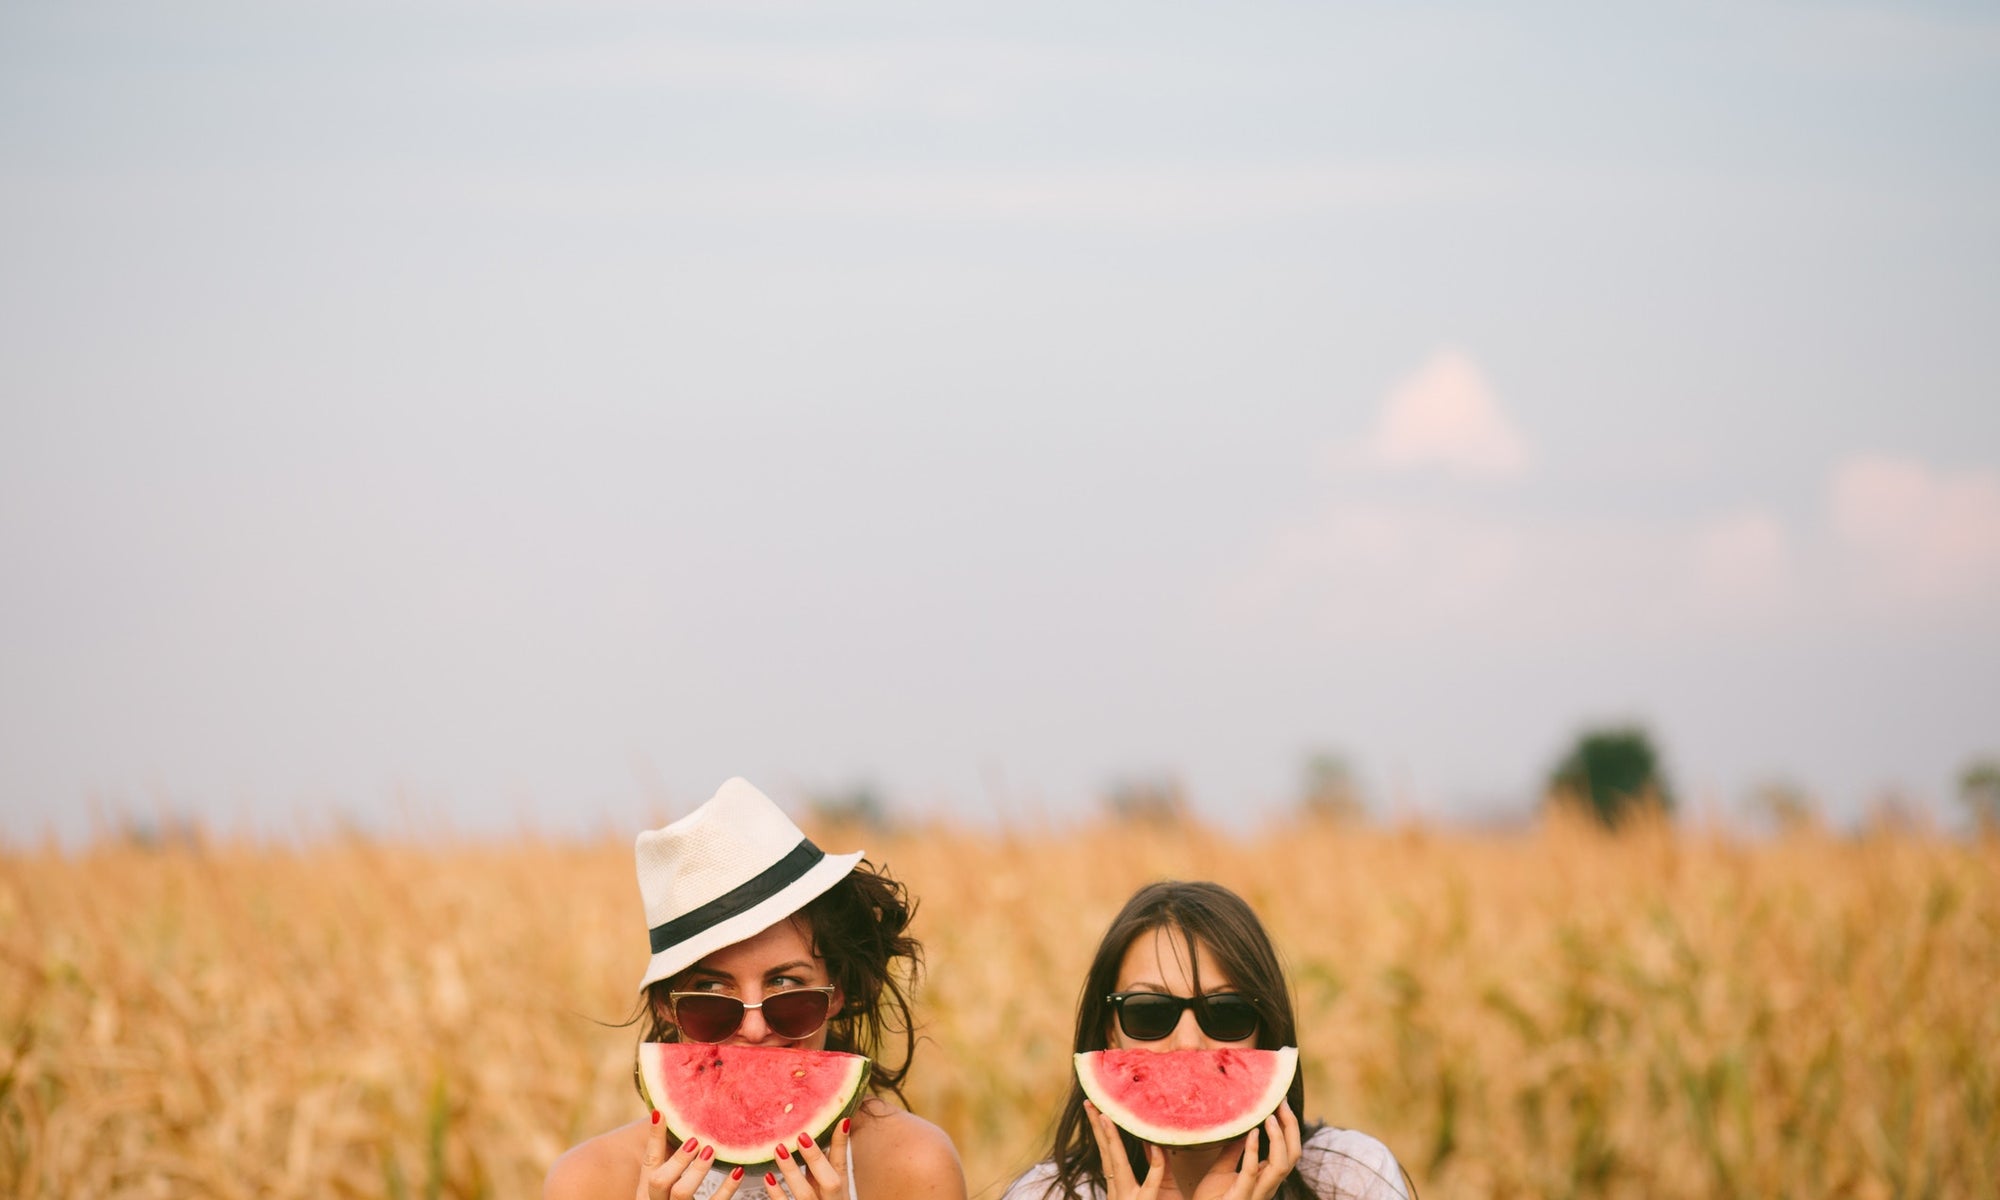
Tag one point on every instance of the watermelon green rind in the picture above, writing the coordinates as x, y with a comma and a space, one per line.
744, 1100
1187, 1097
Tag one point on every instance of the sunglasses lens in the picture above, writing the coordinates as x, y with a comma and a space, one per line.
1149, 1018
796, 1014
1227, 1017
707, 1018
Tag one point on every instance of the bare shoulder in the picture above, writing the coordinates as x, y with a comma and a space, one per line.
604, 1168
900, 1156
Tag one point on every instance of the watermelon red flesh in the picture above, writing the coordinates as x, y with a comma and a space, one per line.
1187, 1097
744, 1100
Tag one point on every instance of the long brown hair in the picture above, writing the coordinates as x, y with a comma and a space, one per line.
860, 929
1194, 913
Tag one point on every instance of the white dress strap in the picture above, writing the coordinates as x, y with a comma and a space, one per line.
752, 1187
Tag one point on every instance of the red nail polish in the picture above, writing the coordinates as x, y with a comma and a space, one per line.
690, 1145
656, 1116
770, 1180
804, 1141
846, 1123
782, 1152
737, 1173
707, 1152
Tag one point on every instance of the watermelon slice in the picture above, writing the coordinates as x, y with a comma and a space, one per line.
744, 1100
1187, 1097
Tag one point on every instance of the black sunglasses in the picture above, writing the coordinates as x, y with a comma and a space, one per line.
793, 1014
1150, 1016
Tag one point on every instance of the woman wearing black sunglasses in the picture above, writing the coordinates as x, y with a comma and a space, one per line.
760, 938
1188, 966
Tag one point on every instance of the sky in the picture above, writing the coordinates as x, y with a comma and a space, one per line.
484, 417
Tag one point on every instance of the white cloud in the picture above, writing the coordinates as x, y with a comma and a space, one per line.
1362, 570
1916, 535
1358, 566
1740, 564
1898, 544
1446, 416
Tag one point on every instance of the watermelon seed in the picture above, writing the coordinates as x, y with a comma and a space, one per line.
788, 1108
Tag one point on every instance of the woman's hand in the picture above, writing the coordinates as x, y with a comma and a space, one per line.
1119, 1183
675, 1176
811, 1174
1242, 1176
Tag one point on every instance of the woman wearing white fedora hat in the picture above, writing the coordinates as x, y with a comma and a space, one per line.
798, 948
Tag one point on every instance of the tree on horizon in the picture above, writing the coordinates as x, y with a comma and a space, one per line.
1979, 791
1613, 773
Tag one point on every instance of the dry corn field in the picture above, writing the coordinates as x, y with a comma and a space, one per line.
1550, 1013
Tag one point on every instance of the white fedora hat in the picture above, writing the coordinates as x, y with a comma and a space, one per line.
728, 870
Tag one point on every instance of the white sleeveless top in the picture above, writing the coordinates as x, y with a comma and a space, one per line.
752, 1187
1338, 1164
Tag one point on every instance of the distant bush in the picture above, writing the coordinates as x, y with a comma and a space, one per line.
1613, 774
1160, 801
1979, 791
858, 807
1785, 806
1328, 792
1893, 812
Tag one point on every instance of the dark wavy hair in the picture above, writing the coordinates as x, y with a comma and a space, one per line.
1196, 913
859, 928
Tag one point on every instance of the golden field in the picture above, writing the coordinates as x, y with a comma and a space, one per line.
1549, 1013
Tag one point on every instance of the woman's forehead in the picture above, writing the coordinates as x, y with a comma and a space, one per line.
1160, 956
785, 944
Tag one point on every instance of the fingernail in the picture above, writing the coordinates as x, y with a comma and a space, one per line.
690, 1145
782, 1152
737, 1173
804, 1141
656, 1116
770, 1180
707, 1152
846, 1124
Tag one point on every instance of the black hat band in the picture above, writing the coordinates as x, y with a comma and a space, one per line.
741, 898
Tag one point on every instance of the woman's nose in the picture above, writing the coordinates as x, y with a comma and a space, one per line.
1187, 1033
753, 1031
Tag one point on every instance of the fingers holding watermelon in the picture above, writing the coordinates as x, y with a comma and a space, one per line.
653, 1162
673, 1176
1248, 1175
811, 1174
1288, 1129
656, 1144
820, 1166
1120, 1180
